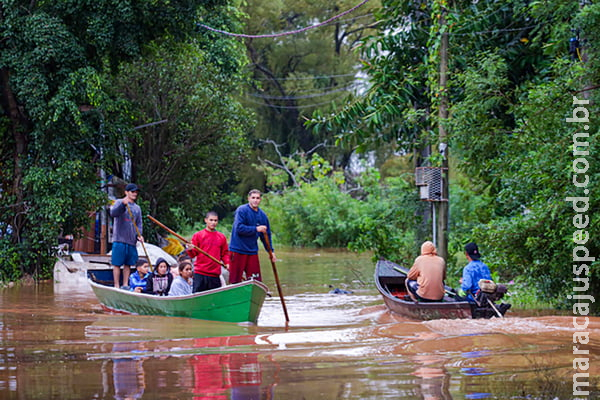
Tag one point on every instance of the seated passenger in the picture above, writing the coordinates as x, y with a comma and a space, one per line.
425, 279
473, 272
139, 279
159, 282
182, 284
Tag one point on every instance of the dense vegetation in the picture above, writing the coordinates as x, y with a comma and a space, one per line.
89, 86
513, 80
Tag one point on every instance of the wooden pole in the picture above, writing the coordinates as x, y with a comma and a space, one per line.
138, 233
442, 206
270, 251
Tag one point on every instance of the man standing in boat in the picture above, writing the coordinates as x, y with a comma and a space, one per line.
249, 224
213, 242
127, 231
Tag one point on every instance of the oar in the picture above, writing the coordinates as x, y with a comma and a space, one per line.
270, 251
184, 240
138, 233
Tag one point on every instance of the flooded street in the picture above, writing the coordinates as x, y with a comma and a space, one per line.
57, 343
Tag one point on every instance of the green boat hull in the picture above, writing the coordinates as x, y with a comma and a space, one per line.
239, 302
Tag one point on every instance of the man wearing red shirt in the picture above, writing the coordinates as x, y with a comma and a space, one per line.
213, 242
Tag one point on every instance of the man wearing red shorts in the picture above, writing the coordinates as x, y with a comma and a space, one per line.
250, 223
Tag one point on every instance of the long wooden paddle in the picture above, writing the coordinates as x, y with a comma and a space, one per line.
270, 251
139, 235
184, 240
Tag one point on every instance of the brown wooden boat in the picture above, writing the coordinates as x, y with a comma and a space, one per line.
390, 280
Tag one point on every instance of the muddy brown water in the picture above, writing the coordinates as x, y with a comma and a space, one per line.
57, 343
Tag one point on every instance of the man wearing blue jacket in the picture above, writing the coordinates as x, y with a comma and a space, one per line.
473, 272
250, 223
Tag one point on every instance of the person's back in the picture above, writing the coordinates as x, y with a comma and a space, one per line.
429, 271
473, 272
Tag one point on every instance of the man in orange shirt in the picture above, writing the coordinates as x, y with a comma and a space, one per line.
425, 280
213, 242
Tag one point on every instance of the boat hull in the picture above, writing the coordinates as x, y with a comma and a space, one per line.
241, 302
390, 283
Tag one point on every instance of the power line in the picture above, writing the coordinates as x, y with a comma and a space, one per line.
307, 96
290, 107
272, 35
299, 78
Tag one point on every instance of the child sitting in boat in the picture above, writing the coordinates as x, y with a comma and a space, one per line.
182, 284
139, 279
159, 282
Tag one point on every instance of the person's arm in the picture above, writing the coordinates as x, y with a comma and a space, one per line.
225, 252
169, 282
191, 250
413, 273
265, 229
139, 223
444, 278
149, 285
176, 289
117, 209
466, 283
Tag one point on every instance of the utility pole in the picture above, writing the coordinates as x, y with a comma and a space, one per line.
441, 207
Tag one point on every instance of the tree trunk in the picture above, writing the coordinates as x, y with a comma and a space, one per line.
19, 128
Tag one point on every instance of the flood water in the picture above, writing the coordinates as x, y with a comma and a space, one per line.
57, 343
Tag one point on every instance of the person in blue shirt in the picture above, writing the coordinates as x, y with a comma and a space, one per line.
249, 224
473, 272
139, 279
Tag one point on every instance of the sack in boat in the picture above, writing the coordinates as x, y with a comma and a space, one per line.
487, 286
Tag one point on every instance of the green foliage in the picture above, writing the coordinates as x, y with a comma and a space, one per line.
511, 88
59, 121
193, 135
296, 75
319, 214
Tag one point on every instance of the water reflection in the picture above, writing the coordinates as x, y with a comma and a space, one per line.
53, 344
128, 373
434, 380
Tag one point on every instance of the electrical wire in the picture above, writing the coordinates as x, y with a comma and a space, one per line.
291, 107
273, 35
307, 96
299, 78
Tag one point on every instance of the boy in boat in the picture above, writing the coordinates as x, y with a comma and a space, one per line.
207, 271
425, 279
473, 272
125, 233
139, 279
249, 224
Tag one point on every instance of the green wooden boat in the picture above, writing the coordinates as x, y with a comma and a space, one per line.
240, 302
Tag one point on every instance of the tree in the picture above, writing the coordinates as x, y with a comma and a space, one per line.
297, 74
512, 82
59, 124
192, 136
